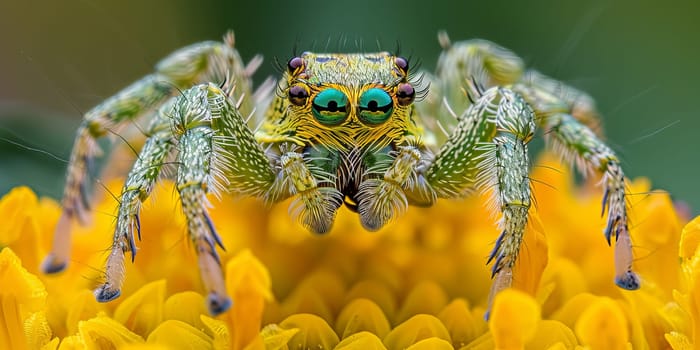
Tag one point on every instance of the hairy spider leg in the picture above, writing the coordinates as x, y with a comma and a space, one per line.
202, 62
571, 125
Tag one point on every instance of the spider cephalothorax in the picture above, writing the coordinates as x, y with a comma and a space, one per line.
343, 128
349, 114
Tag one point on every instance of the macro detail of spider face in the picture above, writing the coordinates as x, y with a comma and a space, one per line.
361, 130
347, 93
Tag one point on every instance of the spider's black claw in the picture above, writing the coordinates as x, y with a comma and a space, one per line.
217, 304
104, 293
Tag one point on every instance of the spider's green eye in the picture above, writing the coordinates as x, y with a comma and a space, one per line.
330, 107
375, 106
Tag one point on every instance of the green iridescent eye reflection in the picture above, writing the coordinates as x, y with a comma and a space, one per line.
330, 106
375, 106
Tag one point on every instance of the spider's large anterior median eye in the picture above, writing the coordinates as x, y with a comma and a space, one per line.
375, 106
330, 107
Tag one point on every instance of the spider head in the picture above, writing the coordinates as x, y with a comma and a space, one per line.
348, 100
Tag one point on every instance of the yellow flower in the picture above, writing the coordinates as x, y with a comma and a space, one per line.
419, 283
23, 322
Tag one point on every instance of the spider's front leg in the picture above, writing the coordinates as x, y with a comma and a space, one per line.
137, 188
217, 153
571, 124
202, 62
213, 142
488, 150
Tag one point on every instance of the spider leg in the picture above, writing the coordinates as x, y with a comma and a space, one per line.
570, 122
137, 188
202, 62
218, 153
575, 141
488, 150
472, 65
388, 191
315, 206
548, 96
480, 61
572, 126
195, 177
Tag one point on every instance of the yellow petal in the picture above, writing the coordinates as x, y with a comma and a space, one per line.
694, 302
249, 284
328, 285
415, 329
179, 335
247, 276
307, 300
186, 307
26, 287
320, 293
460, 323
18, 303
11, 325
566, 280
430, 344
15, 207
514, 318
82, 307
639, 315
37, 330
142, 311
570, 312
21, 229
277, 338
690, 239
533, 256
146, 347
362, 315
603, 326
103, 332
52, 345
549, 333
258, 343
73, 342
361, 341
660, 234
558, 346
218, 331
673, 316
678, 341
376, 291
483, 342
314, 332
426, 297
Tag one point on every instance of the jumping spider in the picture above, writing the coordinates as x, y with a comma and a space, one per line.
354, 129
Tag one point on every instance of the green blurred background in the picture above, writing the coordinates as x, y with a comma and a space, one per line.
638, 59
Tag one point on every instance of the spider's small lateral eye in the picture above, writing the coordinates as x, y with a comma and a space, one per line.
375, 106
405, 94
294, 64
402, 63
298, 95
330, 107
